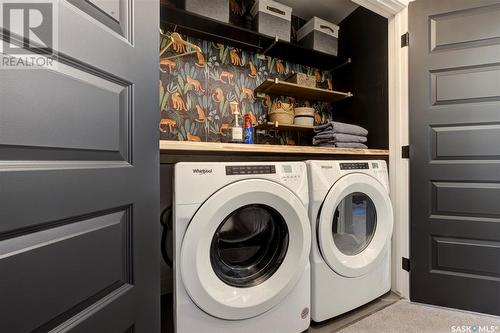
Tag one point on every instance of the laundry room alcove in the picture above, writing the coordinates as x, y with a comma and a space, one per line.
247, 67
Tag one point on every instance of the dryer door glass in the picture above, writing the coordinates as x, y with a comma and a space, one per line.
354, 223
249, 245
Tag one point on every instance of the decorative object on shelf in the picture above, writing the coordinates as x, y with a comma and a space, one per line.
304, 116
302, 79
236, 129
248, 130
215, 9
340, 135
319, 35
273, 19
282, 113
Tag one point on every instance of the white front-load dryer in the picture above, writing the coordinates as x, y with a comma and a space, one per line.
242, 239
351, 222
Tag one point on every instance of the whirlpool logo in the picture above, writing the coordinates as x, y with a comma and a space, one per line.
202, 171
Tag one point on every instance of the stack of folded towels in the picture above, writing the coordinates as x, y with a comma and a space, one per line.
335, 134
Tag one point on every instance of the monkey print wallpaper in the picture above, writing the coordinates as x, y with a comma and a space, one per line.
196, 89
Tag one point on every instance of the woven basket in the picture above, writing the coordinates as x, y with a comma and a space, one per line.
304, 116
303, 80
282, 113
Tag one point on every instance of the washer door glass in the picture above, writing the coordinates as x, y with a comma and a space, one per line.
354, 223
249, 246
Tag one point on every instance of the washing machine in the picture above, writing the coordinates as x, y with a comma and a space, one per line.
351, 222
242, 239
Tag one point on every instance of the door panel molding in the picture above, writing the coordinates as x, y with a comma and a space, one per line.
97, 248
94, 117
117, 16
456, 30
467, 84
86, 319
466, 199
465, 142
453, 255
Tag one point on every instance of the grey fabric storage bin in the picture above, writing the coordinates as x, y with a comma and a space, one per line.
273, 19
319, 35
216, 9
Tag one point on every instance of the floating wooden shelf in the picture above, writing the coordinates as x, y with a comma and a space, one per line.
277, 87
284, 127
186, 147
198, 26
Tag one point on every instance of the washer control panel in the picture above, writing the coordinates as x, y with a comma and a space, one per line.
354, 166
291, 174
232, 170
288, 174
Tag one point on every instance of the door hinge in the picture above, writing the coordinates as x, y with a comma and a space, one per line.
405, 39
405, 152
405, 264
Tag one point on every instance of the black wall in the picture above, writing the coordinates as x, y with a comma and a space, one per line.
363, 38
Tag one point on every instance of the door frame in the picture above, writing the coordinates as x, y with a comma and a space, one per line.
399, 171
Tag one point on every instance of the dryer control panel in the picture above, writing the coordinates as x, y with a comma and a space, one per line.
331, 171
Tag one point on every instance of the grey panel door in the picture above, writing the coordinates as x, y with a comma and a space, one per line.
455, 153
79, 176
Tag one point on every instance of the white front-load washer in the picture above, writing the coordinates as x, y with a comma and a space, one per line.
351, 222
242, 239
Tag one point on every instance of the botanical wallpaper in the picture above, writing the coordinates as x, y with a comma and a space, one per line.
196, 91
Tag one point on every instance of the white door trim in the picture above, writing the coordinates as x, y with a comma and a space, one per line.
398, 137
386, 8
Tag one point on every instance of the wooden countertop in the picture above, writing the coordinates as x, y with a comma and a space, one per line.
186, 147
